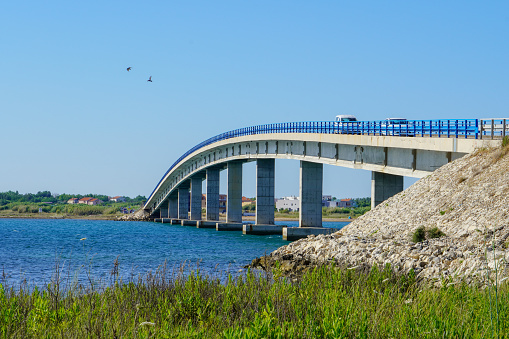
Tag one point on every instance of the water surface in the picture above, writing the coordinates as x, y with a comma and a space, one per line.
30, 249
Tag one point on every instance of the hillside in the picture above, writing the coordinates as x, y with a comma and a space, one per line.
468, 200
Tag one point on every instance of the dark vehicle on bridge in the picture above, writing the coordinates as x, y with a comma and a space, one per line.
397, 127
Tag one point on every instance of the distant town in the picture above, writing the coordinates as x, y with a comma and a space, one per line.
16, 204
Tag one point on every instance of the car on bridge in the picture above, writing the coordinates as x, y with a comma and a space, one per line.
347, 124
397, 127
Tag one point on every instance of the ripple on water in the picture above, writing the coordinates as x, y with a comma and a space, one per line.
30, 249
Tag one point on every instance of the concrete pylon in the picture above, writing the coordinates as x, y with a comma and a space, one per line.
196, 191
164, 212
310, 191
183, 201
173, 207
234, 188
265, 191
384, 186
212, 208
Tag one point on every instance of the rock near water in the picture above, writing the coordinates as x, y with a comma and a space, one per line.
467, 199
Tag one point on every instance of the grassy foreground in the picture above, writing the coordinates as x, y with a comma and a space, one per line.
326, 303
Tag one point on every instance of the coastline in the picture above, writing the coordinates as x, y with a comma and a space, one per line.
57, 216
115, 217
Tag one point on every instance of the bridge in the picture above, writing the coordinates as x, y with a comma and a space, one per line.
390, 152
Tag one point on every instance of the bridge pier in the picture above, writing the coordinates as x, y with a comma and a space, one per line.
173, 207
384, 186
196, 191
183, 201
265, 191
163, 212
234, 188
264, 219
212, 208
206, 224
310, 191
310, 204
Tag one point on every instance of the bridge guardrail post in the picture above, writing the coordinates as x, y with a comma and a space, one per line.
492, 128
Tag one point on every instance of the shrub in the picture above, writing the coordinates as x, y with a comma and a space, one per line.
435, 232
419, 234
505, 141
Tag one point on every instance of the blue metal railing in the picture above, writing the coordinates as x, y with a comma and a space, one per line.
464, 128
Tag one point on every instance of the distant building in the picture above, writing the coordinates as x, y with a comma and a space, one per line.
247, 201
327, 201
347, 203
203, 201
222, 202
90, 201
95, 201
73, 201
290, 203
117, 199
84, 200
330, 203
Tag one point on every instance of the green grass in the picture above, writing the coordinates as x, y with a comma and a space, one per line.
326, 303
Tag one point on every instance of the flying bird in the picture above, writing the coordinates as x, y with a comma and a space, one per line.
149, 79
128, 69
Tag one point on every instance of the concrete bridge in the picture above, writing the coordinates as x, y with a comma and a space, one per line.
390, 152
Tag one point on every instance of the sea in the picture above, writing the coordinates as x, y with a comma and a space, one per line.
36, 252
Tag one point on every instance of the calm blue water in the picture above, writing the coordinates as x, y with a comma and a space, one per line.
30, 249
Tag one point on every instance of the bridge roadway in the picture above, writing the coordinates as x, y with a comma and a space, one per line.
390, 154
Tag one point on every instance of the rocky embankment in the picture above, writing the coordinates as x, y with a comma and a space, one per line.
139, 215
467, 199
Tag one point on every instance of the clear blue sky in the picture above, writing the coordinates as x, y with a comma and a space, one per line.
73, 120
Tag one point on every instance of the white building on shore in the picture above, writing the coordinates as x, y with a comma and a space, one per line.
290, 203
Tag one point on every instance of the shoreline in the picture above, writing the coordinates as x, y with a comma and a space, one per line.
115, 217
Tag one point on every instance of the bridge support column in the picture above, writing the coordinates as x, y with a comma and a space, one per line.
384, 186
212, 208
173, 207
196, 198
164, 211
265, 191
183, 202
234, 188
310, 191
